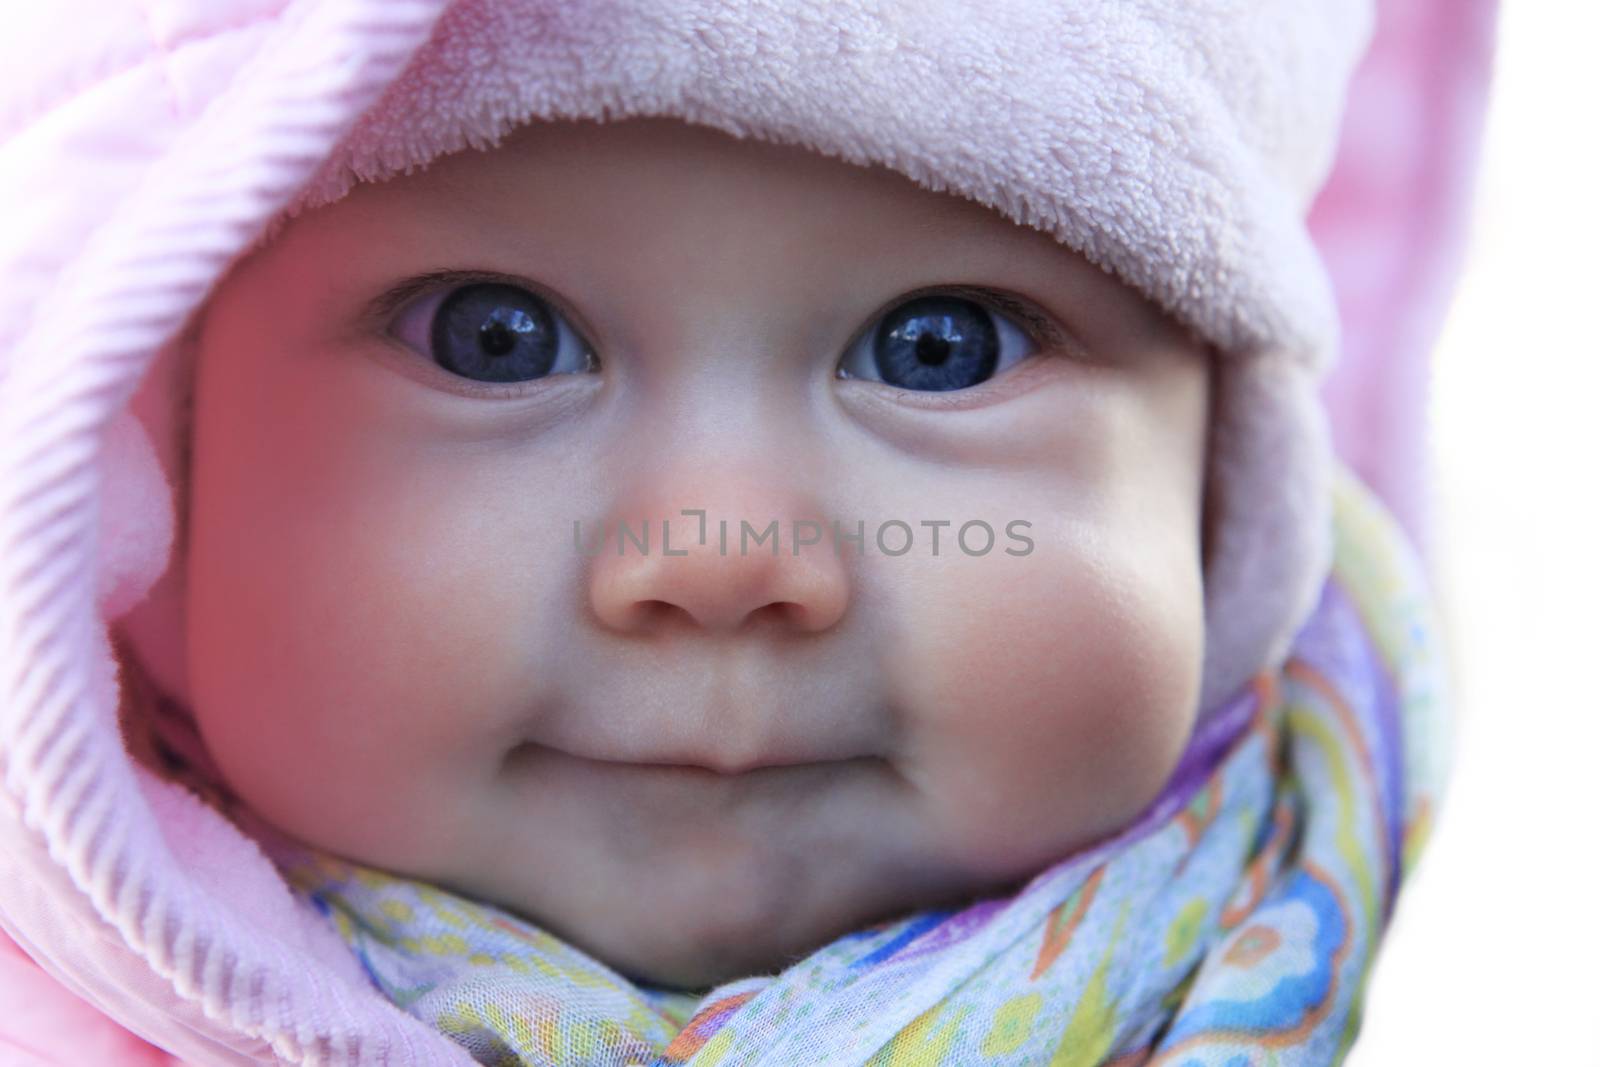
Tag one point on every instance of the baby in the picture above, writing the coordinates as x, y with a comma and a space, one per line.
424, 385
709, 534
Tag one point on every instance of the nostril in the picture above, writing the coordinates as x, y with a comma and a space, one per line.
787, 612
664, 613
658, 615
658, 612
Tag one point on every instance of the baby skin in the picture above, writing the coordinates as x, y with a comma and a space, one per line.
704, 763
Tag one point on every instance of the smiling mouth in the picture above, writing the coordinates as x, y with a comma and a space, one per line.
535, 752
710, 772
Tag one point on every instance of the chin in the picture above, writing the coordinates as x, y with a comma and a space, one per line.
673, 956
717, 938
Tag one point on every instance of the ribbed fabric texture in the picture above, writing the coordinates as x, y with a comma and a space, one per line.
134, 281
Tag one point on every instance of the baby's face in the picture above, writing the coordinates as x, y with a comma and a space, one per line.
697, 765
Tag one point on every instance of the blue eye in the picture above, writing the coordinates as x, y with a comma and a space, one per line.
493, 332
937, 343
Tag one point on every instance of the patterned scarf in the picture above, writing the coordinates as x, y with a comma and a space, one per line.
1234, 924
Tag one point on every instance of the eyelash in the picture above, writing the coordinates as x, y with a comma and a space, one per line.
387, 307
1039, 327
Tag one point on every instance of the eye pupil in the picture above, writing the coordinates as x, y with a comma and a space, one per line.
498, 335
931, 349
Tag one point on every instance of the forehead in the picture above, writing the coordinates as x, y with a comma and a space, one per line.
655, 194
655, 163
671, 180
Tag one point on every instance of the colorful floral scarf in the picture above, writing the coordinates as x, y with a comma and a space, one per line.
1234, 925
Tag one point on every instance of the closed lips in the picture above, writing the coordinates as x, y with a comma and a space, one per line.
709, 769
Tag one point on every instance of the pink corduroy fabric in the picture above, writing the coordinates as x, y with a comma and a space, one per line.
1392, 226
149, 143
142, 145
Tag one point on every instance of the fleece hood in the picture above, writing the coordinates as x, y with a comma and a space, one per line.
145, 146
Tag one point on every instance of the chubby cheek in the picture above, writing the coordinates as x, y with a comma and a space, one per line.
355, 632
1053, 695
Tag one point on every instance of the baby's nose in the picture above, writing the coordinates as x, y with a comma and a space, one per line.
732, 555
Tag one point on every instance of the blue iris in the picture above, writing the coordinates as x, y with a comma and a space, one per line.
495, 333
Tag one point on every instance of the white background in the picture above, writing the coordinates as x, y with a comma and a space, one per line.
1494, 957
